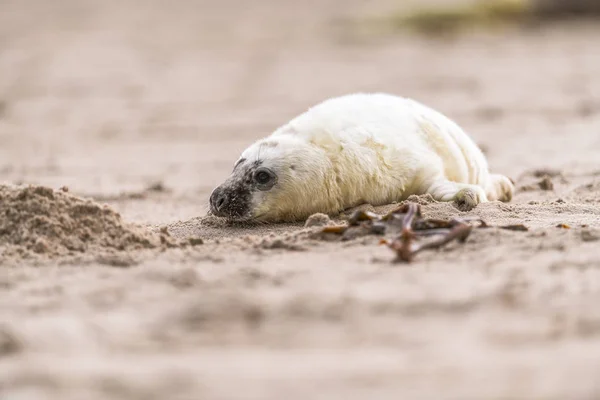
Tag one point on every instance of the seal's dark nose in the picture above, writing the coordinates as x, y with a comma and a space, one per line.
218, 200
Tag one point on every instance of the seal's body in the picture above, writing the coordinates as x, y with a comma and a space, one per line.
356, 149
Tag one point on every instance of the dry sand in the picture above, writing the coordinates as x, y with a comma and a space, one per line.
144, 106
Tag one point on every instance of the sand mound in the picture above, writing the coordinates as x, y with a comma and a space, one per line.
39, 220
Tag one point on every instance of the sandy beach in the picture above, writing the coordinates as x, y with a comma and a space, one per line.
117, 119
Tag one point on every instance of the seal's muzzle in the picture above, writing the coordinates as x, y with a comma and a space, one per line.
231, 200
218, 201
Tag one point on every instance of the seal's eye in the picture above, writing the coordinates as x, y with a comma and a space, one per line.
262, 177
265, 178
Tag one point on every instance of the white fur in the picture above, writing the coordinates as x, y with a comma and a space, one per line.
370, 148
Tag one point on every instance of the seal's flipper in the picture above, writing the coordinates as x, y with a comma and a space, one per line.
465, 196
501, 188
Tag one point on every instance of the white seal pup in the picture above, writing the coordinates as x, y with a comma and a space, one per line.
356, 149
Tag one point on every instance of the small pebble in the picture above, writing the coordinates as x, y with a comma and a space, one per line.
196, 241
589, 235
318, 219
546, 184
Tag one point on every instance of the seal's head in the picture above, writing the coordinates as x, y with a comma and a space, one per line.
280, 178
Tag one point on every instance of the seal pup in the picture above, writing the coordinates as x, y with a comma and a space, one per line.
357, 149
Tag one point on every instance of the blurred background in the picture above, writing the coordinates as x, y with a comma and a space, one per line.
116, 97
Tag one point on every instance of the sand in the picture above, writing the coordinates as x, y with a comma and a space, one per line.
123, 288
38, 220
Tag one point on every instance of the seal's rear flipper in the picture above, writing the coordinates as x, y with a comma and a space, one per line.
465, 196
501, 188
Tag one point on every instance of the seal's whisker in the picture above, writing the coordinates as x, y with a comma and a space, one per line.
258, 152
